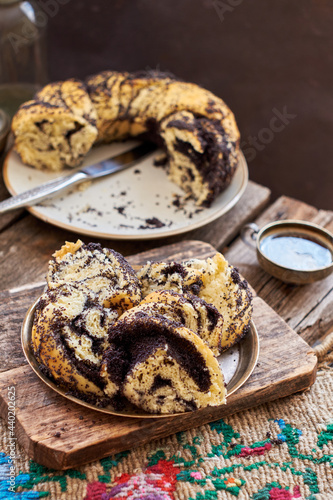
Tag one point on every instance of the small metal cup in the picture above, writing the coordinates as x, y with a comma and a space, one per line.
297, 228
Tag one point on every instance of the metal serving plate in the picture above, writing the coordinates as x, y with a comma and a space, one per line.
237, 365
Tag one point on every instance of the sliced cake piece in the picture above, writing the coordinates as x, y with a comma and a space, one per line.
101, 270
69, 336
161, 366
193, 313
173, 276
57, 128
223, 287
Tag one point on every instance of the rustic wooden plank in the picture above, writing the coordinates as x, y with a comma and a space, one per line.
20, 267
13, 307
319, 322
286, 365
301, 307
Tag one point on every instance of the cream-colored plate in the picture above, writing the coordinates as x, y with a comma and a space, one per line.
237, 364
128, 205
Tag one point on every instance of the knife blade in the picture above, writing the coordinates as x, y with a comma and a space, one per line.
101, 169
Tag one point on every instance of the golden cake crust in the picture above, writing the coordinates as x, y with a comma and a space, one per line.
101, 270
57, 128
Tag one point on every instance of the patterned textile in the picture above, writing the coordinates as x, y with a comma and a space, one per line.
278, 451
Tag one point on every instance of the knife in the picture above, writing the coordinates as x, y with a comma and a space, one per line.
101, 169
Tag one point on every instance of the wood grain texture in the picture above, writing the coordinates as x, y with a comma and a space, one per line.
19, 267
286, 365
308, 309
13, 307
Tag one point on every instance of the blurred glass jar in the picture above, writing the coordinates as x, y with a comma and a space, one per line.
23, 67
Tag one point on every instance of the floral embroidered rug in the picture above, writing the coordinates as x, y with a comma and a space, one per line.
278, 451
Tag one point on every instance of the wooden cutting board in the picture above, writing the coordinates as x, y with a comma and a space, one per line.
61, 434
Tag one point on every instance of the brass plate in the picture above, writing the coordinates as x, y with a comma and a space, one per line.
248, 356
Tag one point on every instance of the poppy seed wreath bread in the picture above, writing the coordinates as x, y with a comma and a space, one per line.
196, 129
102, 271
172, 276
69, 335
223, 287
190, 311
161, 366
57, 128
89, 287
213, 280
111, 336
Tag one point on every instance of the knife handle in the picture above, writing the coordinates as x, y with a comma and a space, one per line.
38, 193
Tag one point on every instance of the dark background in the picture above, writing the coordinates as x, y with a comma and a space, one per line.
258, 55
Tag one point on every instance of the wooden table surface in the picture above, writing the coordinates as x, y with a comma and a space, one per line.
27, 243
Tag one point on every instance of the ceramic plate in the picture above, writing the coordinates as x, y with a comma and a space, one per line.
237, 364
138, 203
